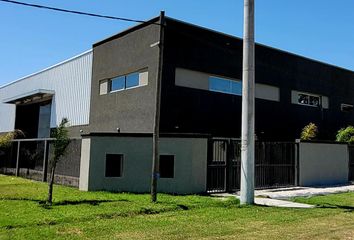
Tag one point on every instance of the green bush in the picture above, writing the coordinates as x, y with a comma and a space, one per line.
345, 135
309, 132
61, 135
5, 139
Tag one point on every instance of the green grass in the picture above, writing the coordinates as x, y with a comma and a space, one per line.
97, 215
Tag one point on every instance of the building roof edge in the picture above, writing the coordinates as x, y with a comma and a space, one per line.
46, 69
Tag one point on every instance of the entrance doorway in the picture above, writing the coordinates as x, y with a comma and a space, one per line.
275, 164
34, 119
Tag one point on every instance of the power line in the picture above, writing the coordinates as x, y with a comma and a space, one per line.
75, 12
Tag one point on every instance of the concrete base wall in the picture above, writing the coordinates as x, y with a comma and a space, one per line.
190, 164
38, 176
323, 164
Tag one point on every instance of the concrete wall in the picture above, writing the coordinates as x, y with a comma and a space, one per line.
130, 110
190, 164
323, 164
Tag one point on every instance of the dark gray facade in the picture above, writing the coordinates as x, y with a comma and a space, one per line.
187, 109
219, 114
131, 110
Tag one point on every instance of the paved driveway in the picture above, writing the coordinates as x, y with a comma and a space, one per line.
286, 193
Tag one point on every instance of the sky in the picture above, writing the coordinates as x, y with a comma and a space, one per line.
32, 39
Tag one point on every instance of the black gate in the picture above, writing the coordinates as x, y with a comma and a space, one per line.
351, 162
275, 165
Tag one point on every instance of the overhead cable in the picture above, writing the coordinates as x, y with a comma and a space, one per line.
75, 12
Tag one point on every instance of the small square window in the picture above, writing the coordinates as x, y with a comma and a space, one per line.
219, 85
303, 99
132, 80
118, 83
114, 165
236, 88
224, 85
314, 101
167, 166
309, 99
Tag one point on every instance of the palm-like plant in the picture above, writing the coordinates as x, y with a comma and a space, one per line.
60, 144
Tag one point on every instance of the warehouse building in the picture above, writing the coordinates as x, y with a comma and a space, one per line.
39, 101
108, 94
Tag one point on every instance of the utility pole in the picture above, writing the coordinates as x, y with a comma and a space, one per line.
247, 131
156, 134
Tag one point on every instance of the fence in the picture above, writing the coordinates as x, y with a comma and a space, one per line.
275, 165
29, 158
351, 162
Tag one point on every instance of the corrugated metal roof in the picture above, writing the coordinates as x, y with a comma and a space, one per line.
71, 82
27, 95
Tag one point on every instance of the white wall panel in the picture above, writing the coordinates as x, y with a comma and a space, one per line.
7, 117
71, 82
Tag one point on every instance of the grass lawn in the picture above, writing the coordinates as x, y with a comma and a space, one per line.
98, 215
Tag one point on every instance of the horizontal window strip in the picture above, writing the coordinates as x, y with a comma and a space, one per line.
204, 81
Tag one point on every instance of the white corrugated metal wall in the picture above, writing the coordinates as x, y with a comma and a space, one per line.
71, 81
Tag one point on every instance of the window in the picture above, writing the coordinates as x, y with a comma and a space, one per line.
118, 83
131, 80
310, 100
224, 85
346, 107
114, 165
167, 166
204, 81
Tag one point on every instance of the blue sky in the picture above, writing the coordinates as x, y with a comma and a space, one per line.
33, 39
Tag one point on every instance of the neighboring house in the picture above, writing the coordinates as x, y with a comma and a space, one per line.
108, 94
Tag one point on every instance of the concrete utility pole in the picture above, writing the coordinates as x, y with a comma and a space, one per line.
156, 134
247, 132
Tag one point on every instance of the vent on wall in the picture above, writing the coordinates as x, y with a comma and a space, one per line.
346, 107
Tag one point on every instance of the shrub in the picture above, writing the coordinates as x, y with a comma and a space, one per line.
5, 139
345, 135
60, 144
309, 132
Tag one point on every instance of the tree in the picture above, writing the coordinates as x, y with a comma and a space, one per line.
309, 132
345, 135
60, 144
6, 139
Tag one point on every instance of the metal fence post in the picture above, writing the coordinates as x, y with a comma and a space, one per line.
45, 161
296, 163
18, 159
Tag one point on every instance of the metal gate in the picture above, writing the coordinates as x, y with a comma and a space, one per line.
275, 165
351, 162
